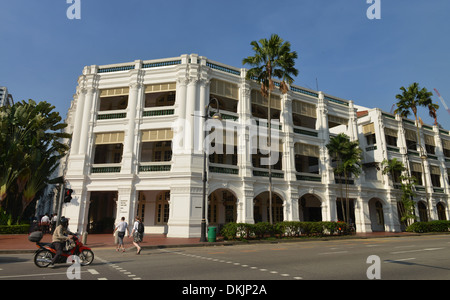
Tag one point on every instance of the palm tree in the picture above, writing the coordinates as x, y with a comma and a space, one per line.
351, 165
432, 111
272, 59
347, 154
392, 167
336, 148
411, 99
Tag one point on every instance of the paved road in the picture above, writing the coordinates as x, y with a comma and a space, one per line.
418, 257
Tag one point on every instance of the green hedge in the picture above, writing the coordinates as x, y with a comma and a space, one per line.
283, 229
433, 226
14, 229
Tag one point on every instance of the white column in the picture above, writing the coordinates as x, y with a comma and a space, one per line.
326, 170
362, 216
353, 132
85, 127
180, 111
189, 116
244, 113
199, 120
78, 121
129, 151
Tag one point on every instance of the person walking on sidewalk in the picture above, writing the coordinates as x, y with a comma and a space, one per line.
138, 234
121, 228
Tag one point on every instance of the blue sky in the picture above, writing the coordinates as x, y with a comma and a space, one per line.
42, 52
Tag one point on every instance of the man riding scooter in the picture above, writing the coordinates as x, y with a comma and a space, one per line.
60, 236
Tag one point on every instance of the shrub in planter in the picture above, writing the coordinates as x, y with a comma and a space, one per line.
289, 228
14, 229
262, 228
433, 226
229, 231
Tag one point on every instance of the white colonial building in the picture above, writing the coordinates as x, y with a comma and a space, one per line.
137, 149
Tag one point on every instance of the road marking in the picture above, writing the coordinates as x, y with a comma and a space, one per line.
336, 252
34, 275
93, 271
230, 262
408, 246
416, 250
117, 268
397, 260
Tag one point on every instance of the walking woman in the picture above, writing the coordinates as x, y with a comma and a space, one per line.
121, 228
137, 233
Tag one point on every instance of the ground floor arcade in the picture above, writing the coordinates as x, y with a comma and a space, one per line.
177, 211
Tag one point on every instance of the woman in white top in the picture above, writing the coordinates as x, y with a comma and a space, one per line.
138, 234
122, 227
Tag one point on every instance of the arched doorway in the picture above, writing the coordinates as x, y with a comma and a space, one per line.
310, 209
222, 207
102, 212
261, 208
423, 214
441, 211
376, 215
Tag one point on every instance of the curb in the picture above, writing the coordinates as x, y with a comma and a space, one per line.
245, 242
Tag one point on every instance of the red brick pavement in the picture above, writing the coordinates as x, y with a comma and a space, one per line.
20, 241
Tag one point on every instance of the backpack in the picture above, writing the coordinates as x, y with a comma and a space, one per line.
141, 227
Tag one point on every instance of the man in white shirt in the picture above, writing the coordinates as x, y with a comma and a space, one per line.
121, 228
45, 222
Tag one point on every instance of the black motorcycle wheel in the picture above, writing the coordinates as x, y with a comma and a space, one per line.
43, 258
86, 257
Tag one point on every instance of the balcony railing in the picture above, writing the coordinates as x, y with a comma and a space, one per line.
109, 115
162, 166
158, 111
105, 168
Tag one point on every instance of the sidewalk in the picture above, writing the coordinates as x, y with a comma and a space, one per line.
18, 243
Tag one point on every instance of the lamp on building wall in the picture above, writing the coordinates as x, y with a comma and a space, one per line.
216, 116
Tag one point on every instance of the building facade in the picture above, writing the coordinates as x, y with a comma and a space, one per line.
6, 99
137, 150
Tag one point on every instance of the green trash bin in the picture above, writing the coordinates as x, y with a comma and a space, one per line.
212, 234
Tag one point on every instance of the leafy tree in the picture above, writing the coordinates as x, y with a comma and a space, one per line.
272, 59
30, 150
406, 206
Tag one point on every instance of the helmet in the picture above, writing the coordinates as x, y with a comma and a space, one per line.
64, 222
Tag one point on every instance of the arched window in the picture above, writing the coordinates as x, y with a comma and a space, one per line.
380, 215
423, 212
441, 211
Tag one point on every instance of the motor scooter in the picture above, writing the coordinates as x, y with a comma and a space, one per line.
44, 255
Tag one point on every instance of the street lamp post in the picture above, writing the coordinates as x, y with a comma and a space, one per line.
205, 174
